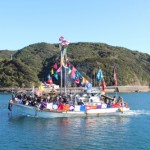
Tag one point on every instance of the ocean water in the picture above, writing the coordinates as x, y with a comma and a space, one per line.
108, 132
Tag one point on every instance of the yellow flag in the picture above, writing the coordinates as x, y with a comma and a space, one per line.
52, 71
62, 59
69, 71
41, 88
83, 80
59, 47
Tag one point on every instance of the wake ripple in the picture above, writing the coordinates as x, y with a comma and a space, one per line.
136, 112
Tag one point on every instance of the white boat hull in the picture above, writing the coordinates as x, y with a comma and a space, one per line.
32, 111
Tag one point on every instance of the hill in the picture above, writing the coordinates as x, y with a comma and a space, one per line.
6, 54
33, 63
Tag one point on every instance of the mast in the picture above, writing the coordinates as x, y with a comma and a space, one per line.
115, 80
64, 44
65, 83
61, 73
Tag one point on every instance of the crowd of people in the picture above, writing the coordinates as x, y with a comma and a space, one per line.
61, 102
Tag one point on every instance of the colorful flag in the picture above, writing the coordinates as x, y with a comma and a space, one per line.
68, 64
59, 69
55, 66
52, 71
61, 38
56, 75
77, 81
62, 48
66, 50
48, 77
99, 75
65, 42
83, 80
59, 47
69, 70
50, 81
73, 73
103, 85
86, 83
115, 76
89, 86
41, 88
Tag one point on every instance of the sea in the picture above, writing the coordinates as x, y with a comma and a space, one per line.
123, 131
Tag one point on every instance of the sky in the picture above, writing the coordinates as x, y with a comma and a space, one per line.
124, 23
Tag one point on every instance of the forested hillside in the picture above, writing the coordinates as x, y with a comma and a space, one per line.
32, 64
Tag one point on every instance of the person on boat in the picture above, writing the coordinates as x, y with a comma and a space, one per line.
24, 100
48, 98
114, 100
10, 104
64, 100
43, 105
120, 100
13, 96
80, 102
55, 105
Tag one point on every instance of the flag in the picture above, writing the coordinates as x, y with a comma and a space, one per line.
52, 71
83, 80
61, 38
65, 42
62, 59
62, 48
73, 73
86, 83
59, 47
68, 64
48, 77
103, 85
56, 75
59, 69
41, 88
69, 70
66, 50
55, 66
115, 76
50, 81
77, 81
99, 75
89, 86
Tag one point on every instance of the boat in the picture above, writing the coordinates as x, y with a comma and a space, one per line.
81, 107
80, 111
93, 103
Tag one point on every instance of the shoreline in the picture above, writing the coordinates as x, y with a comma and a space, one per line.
109, 89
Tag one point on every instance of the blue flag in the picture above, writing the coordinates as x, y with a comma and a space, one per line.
99, 75
48, 77
56, 75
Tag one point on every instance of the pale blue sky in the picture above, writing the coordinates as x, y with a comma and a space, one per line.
124, 23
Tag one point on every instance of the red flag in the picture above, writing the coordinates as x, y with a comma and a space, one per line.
50, 81
103, 85
115, 76
77, 81
55, 66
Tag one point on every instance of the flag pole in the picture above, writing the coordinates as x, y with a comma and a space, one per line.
65, 82
115, 80
63, 43
61, 75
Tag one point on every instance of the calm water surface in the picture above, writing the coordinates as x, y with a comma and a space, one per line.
110, 132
